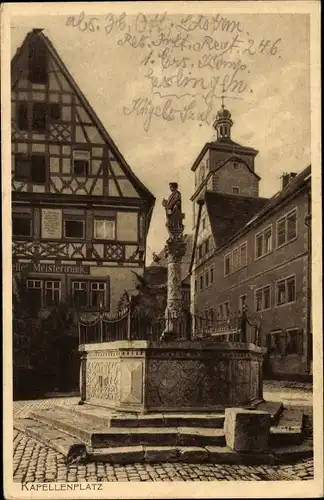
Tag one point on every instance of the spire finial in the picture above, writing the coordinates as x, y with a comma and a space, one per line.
223, 97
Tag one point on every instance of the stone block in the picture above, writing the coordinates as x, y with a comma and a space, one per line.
192, 454
247, 430
160, 453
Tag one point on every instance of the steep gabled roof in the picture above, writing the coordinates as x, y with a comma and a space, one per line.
224, 144
218, 166
229, 213
233, 215
16, 65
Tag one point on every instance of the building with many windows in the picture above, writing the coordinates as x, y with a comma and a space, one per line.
253, 250
80, 216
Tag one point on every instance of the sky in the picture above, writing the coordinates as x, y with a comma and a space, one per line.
272, 115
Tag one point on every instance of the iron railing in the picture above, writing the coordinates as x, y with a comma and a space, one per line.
130, 324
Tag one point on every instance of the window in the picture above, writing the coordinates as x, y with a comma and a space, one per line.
38, 169
273, 342
242, 301
243, 255
227, 264
45, 293
39, 117
286, 291
212, 275
201, 282
262, 298
73, 228
236, 259
97, 294
21, 225
52, 293
263, 242
81, 162
196, 285
54, 110
92, 294
22, 116
30, 168
223, 310
35, 288
209, 314
79, 293
207, 278
104, 229
38, 63
294, 341
203, 223
287, 228
22, 167
207, 246
236, 190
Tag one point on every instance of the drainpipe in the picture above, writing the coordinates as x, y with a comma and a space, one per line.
308, 223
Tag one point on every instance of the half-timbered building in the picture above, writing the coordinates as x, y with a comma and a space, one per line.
80, 216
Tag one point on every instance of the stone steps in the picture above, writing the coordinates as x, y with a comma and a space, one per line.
117, 419
96, 436
94, 433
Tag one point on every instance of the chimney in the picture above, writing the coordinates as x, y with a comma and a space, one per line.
286, 178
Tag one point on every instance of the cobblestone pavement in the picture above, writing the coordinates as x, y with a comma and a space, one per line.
34, 462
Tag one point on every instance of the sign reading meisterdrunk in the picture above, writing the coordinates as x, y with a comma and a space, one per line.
51, 223
32, 267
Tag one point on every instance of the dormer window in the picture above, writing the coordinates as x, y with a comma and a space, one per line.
81, 162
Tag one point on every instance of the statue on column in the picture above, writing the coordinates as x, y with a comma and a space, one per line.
174, 250
173, 210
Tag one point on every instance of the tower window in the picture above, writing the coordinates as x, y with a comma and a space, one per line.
236, 190
38, 63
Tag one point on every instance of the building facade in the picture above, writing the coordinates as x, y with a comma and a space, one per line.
80, 216
255, 251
